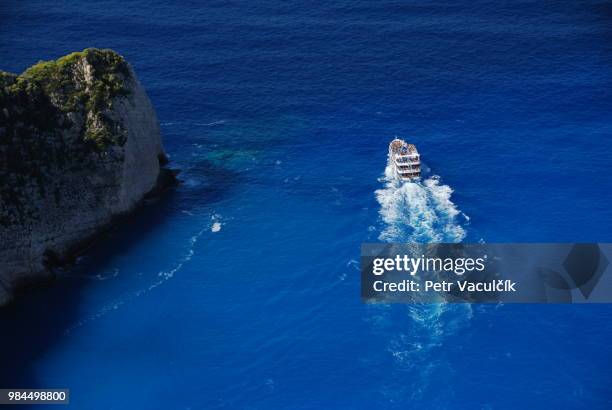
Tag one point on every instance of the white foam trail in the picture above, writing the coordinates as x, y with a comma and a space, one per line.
422, 212
162, 277
207, 124
418, 211
204, 124
216, 225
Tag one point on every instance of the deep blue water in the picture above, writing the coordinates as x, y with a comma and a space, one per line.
241, 289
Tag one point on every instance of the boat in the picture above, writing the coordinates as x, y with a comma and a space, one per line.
405, 160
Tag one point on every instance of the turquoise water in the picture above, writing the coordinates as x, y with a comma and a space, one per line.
241, 289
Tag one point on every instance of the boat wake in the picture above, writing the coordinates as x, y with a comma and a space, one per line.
422, 212
159, 279
418, 211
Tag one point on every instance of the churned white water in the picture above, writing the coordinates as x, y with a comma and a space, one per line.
420, 211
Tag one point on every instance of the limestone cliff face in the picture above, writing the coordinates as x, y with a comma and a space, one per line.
79, 144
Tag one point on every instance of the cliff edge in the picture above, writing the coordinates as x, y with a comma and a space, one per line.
79, 144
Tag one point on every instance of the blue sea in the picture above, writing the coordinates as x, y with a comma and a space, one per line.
240, 290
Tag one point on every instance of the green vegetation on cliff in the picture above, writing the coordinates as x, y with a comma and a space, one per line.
57, 115
84, 82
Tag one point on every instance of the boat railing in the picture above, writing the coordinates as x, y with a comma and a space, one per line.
406, 164
408, 171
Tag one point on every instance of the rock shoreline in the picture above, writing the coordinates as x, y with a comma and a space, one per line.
80, 148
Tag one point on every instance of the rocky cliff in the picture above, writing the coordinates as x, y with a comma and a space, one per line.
79, 145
